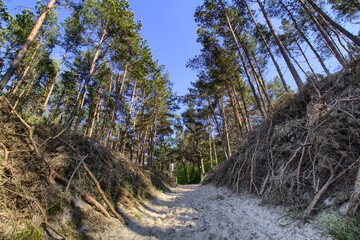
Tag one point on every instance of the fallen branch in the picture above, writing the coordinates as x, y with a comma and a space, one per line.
74, 172
102, 194
318, 196
6, 153
87, 198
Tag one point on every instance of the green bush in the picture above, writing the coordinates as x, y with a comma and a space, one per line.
341, 228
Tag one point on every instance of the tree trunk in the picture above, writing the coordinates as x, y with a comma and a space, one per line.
337, 35
293, 71
87, 80
267, 47
333, 23
55, 78
140, 132
153, 132
96, 110
225, 126
117, 100
235, 112
336, 53
185, 171
7, 52
123, 143
306, 39
223, 144
243, 61
23, 75
306, 59
210, 146
15, 63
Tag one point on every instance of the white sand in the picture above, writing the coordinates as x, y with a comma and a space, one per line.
206, 212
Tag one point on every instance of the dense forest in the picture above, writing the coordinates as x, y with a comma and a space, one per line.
106, 86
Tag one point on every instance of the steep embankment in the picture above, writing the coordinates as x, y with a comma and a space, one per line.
53, 186
306, 154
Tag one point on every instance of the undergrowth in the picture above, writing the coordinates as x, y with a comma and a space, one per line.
341, 227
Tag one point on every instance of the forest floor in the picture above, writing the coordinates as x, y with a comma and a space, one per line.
206, 212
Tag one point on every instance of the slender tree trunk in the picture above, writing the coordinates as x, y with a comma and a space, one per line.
262, 80
96, 110
255, 73
210, 143
306, 59
223, 144
321, 61
337, 35
225, 126
15, 63
87, 80
185, 171
117, 100
336, 53
293, 71
23, 75
142, 145
296, 62
333, 23
243, 61
28, 85
328, 31
122, 149
244, 118
235, 112
140, 132
26, 89
153, 132
55, 78
267, 47
7, 52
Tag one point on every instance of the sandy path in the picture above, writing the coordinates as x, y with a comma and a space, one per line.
206, 212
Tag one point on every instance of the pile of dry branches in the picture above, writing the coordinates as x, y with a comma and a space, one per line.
307, 152
41, 173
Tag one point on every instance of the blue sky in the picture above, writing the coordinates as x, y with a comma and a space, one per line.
170, 29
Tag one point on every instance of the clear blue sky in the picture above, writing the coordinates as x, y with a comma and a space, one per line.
169, 27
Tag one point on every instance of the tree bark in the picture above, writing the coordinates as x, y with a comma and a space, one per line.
23, 75
336, 53
15, 63
87, 80
333, 23
268, 48
293, 71
243, 60
306, 39
7, 52
55, 78
123, 143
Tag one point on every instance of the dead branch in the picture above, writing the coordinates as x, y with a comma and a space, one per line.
318, 196
6, 153
102, 194
74, 172
87, 198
